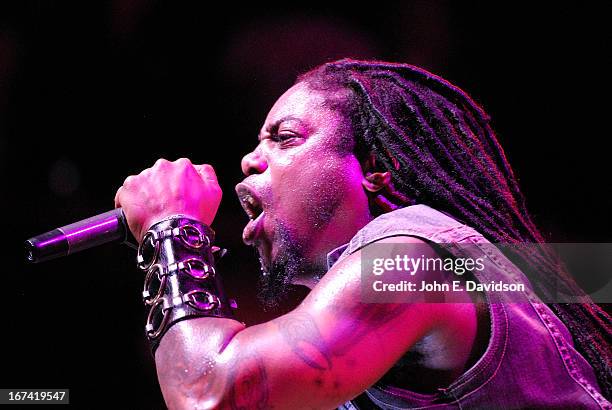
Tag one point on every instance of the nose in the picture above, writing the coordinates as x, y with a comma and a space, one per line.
253, 163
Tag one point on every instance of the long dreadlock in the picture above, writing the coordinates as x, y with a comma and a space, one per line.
441, 151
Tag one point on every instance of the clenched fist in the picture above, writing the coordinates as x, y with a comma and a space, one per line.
169, 188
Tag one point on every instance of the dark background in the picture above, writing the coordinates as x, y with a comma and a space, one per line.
91, 92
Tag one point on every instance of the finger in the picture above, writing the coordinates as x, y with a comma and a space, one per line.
146, 172
207, 172
127, 183
185, 162
118, 197
161, 163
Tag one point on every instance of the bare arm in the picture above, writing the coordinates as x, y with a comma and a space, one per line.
325, 352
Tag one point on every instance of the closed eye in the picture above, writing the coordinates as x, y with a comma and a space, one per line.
285, 140
282, 137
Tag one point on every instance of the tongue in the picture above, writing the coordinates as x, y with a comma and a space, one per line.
251, 229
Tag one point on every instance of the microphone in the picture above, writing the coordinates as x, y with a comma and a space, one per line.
110, 226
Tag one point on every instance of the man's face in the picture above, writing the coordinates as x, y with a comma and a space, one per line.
303, 190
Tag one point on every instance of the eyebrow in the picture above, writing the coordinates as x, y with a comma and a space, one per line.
277, 123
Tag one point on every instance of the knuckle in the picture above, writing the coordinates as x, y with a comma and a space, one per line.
183, 160
160, 163
183, 163
129, 181
209, 171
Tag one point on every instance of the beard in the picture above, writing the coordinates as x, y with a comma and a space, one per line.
276, 280
290, 261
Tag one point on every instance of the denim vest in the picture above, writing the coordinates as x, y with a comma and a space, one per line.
530, 360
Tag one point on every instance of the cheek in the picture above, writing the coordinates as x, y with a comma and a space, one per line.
309, 195
291, 179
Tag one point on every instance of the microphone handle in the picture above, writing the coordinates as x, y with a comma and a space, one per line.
110, 226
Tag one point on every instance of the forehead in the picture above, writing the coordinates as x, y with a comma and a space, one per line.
301, 103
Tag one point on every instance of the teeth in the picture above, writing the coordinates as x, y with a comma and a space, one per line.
251, 208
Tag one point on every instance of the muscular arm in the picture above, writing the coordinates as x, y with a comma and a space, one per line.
323, 353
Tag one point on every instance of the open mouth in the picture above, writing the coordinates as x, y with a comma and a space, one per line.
252, 206
249, 200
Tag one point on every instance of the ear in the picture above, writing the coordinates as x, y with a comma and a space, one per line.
374, 179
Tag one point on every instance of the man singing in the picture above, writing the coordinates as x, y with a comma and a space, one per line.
358, 153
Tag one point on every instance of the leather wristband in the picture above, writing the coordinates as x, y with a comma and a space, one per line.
181, 282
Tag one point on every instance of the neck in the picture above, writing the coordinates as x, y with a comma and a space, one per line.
333, 236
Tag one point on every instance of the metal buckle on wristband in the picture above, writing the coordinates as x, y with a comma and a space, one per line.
158, 307
155, 273
201, 300
148, 241
194, 267
188, 234
210, 302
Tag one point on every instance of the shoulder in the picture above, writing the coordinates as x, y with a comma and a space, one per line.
417, 221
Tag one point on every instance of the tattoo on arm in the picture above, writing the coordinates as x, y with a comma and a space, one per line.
303, 336
248, 384
185, 379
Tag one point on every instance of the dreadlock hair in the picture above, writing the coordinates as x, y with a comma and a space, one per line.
441, 151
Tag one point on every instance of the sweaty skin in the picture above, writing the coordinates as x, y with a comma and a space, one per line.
313, 192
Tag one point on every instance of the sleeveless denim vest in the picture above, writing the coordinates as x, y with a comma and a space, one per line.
530, 360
